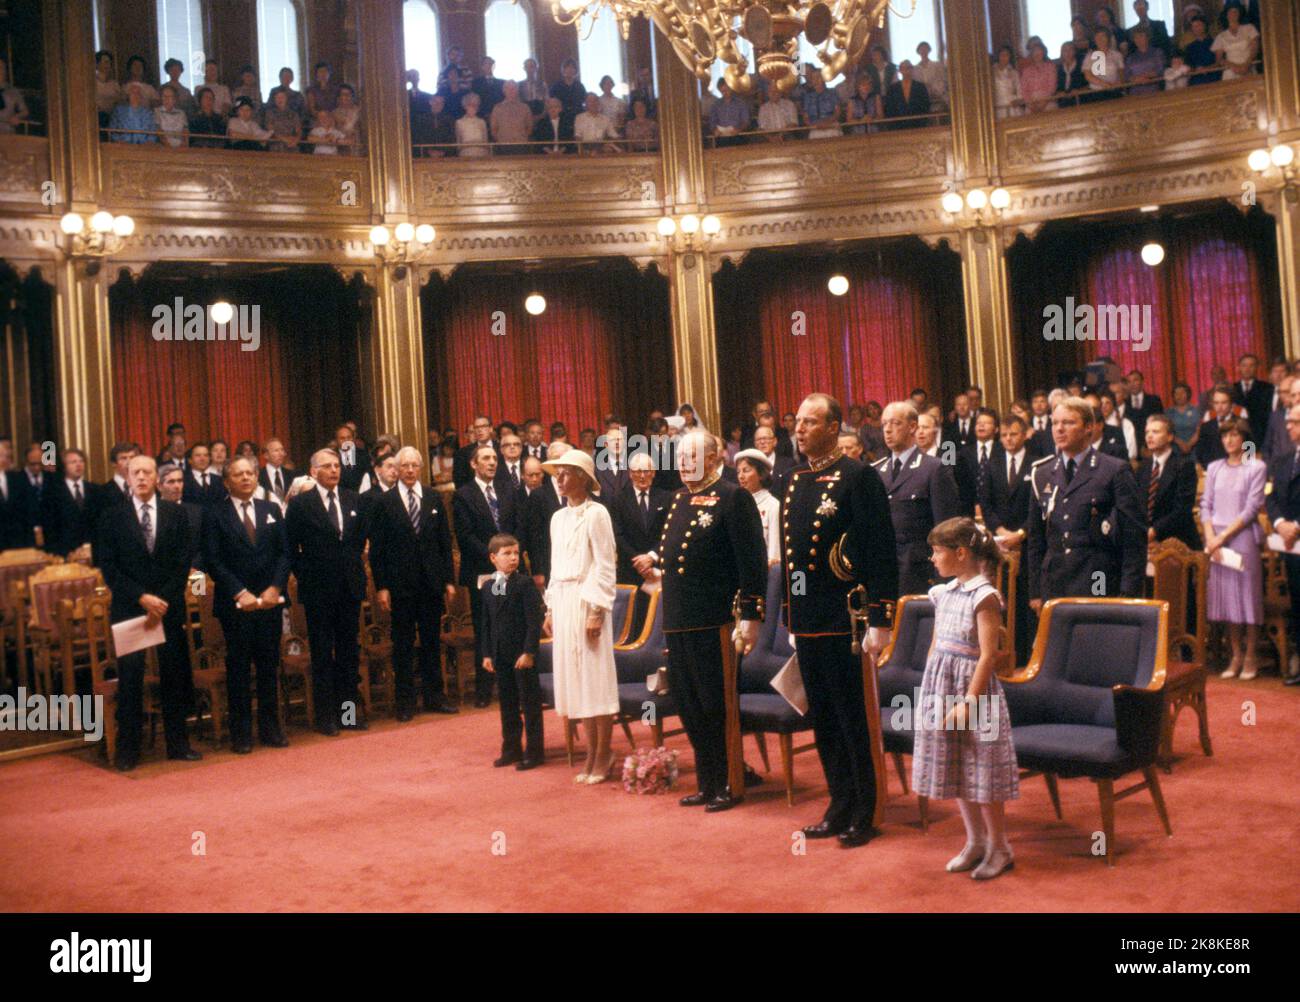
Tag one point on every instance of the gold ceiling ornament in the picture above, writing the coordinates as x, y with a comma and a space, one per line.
703, 31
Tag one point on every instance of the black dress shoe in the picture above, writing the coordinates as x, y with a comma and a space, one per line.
857, 835
752, 778
275, 741
824, 829
722, 802
441, 706
188, 755
242, 748
528, 763
125, 764
695, 799
330, 730
482, 701
506, 760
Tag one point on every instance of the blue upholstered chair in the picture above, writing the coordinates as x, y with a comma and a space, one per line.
1091, 702
901, 668
636, 659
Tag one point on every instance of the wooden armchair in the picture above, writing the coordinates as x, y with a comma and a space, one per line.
103, 664
45, 590
1181, 578
457, 638
376, 648
16, 566
1277, 607
207, 650
1008, 573
295, 660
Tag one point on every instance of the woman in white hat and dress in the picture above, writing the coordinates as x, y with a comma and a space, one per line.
579, 603
754, 472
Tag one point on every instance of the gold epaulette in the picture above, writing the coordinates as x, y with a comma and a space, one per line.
840, 564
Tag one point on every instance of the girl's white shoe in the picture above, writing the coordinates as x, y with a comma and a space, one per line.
967, 858
997, 862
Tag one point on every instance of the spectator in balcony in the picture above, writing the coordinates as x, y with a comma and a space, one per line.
173, 123
242, 131
511, 121
133, 122
1106, 19
907, 99
323, 94
1237, 44
612, 106
456, 61
220, 92
108, 92
1190, 11
13, 110
644, 91
730, 116
865, 106
1177, 74
136, 73
554, 129
487, 85
207, 128
184, 99
821, 108
472, 130
251, 89
454, 91
284, 124
1145, 64
592, 128
1103, 68
347, 118
776, 114
1038, 79
297, 104
418, 102
532, 88
444, 129
882, 71
707, 100
1200, 54
933, 74
1158, 30
1069, 76
569, 89
1081, 34
325, 135
642, 131
1006, 85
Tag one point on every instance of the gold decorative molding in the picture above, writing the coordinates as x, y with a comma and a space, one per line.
629, 183
24, 167
1117, 193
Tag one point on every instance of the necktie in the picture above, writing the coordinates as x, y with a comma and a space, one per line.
76, 494
984, 456
1069, 471
250, 530
332, 511
4, 485
1011, 476
205, 481
494, 505
1153, 487
126, 491
146, 525
413, 509
645, 509
279, 483
893, 472
514, 475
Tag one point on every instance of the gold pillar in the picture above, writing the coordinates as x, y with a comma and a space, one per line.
394, 356
690, 279
990, 352
83, 376
1278, 39
15, 378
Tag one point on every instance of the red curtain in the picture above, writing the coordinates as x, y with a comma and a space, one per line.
1213, 298
603, 345
782, 334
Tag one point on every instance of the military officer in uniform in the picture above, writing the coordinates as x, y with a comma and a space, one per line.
922, 492
836, 533
712, 555
1282, 498
1087, 526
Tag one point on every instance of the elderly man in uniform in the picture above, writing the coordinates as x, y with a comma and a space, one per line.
922, 493
712, 555
1087, 526
836, 534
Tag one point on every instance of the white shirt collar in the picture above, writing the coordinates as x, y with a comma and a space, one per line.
72, 484
903, 456
483, 485
239, 507
1015, 457
1163, 457
761, 495
971, 585
139, 505
414, 489
324, 495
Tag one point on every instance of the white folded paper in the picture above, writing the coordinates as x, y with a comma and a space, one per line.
1276, 544
133, 635
1230, 559
788, 682
1151, 569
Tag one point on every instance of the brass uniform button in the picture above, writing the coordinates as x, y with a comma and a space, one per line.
789, 553
811, 567
815, 537
817, 523
681, 570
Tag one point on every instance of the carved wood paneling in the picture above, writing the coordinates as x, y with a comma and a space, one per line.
24, 167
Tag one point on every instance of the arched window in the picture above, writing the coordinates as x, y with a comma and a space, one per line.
180, 36
277, 43
508, 37
602, 53
1050, 21
421, 41
906, 33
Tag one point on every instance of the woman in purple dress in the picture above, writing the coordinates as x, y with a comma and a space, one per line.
1230, 507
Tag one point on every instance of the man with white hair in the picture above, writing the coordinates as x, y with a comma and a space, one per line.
410, 555
638, 511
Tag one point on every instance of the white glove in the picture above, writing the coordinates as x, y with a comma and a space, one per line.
877, 640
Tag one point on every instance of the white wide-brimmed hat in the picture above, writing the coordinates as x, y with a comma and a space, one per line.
574, 457
755, 455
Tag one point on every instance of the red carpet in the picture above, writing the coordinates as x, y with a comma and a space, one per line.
403, 818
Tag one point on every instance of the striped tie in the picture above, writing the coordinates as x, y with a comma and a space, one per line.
1152, 488
413, 509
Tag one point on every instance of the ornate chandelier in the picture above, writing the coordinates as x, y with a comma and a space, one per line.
703, 31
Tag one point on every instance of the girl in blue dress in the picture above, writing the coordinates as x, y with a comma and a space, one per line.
963, 744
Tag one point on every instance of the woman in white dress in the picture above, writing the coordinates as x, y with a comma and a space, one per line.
754, 471
579, 602
1006, 85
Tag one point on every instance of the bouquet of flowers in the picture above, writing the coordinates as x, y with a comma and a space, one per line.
650, 770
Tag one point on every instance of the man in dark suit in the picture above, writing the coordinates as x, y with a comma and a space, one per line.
974, 461
480, 511
960, 428
175, 450
765, 441
1276, 440
248, 557
1256, 395
921, 492
1209, 446
383, 479
1088, 528
462, 469
1004, 498
538, 501
612, 461
554, 129
410, 555
907, 98
638, 512
1140, 404
143, 548
1107, 438
512, 627
276, 477
171, 487
1166, 483
354, 461
1282, 498
326, 536
534, 440
15, 506
37, 480
510, 461
70, 506
202, 486
118, 486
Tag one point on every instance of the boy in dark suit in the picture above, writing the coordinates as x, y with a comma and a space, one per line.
512, 627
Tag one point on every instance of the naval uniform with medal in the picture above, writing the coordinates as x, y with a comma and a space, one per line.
1087, 520
836, 534
922, 493
713, 556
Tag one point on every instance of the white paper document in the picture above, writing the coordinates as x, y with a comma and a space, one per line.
789, 683
1276, 544
133, 635
1230, 559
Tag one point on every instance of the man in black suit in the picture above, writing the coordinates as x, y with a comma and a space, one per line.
1166, 483
383, 480
248, 557
538, 501
765, 442
974, 461
70, 506
1209, 446
1157, 30
277, 475
202, 486
37, 479
960, 428
480, 511
554, 129
1282, 499
171, 487
326, 536
410, 555
174, 451
534, 440
118, 486
462, 469
1141, 404
638, 512
1004, 498
1107, 438
612, 461
512, 627
1277, 441
354, 461
15, 506
143, 548
1256, 395
510, 464
907, 98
